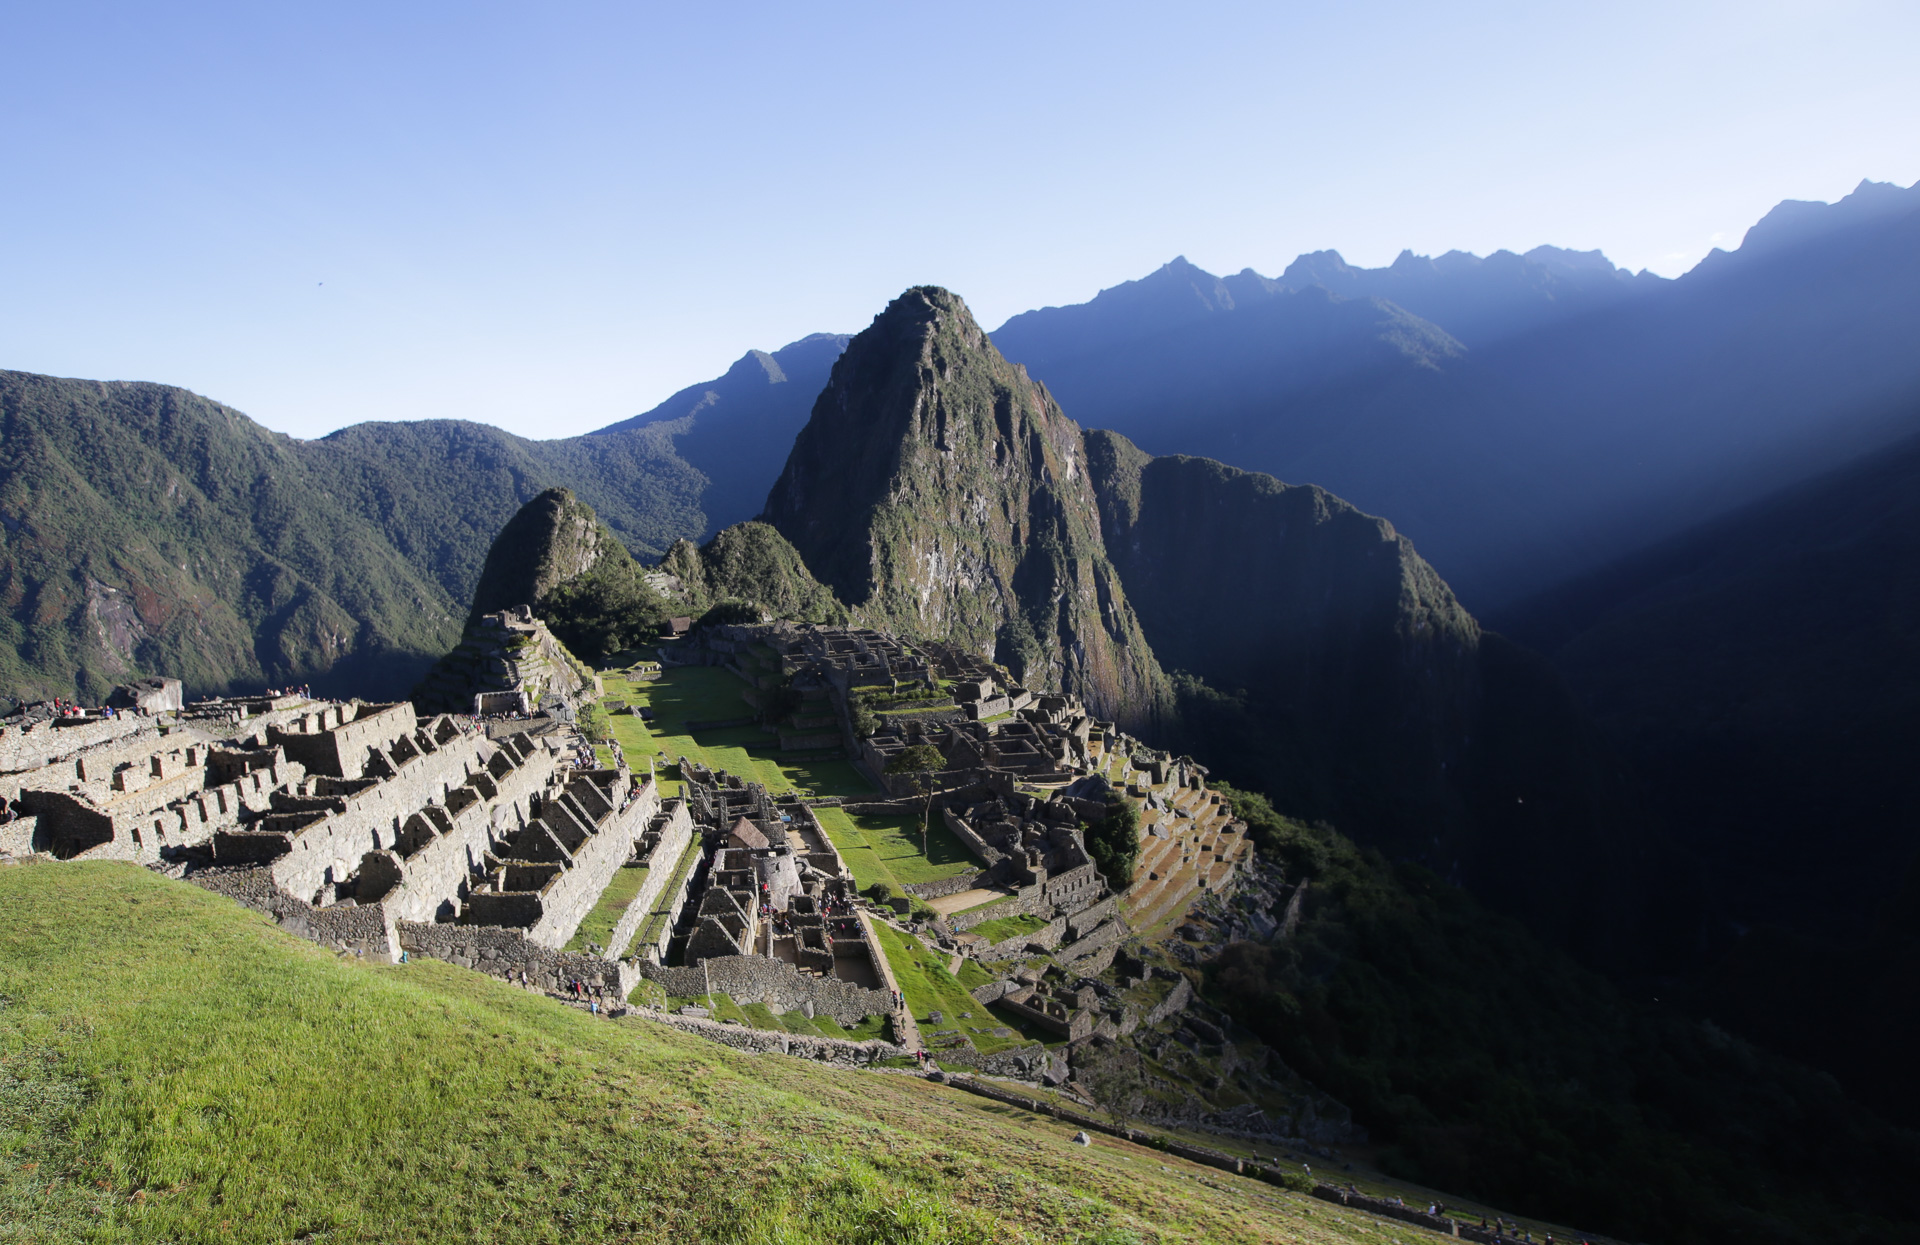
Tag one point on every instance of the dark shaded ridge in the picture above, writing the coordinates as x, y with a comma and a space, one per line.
1763, 673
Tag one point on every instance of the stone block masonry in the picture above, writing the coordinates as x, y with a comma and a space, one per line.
347, 818
509, 953
675, 835
352, 929
769, 1042
779, 985
554, 870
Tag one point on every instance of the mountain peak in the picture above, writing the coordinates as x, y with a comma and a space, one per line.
940, 491
1792, 222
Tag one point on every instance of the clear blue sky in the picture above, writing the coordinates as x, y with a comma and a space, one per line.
549, 217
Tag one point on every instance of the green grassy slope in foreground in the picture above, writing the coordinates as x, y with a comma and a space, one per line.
173, 1068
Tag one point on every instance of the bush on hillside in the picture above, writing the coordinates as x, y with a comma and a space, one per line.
731, 612
1114, 843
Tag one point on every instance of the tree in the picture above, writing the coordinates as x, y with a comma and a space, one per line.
922, 761
1114, 843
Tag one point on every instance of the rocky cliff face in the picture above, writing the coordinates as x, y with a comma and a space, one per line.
551, 540
1345, 679
1324, 613
940, 491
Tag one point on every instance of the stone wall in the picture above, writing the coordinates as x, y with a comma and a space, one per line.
776, 983
1102, 939
345, 927
767, 1041
946, 886
16, 836
674, 837
1046, 937
507, 953
566, 900
40, 743
1026, 901
1177, 1001
341, 752
330, 850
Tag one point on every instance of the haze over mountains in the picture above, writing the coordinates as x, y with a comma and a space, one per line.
1522, 418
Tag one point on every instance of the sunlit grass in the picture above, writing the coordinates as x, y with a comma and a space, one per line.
194, 1074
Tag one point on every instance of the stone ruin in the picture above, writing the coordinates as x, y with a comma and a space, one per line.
509, 664
770, 917
370, 828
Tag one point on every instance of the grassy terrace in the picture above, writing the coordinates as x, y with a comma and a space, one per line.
876, 849
1002, 928
597, 925
760, 1016
173, 1068
923, 977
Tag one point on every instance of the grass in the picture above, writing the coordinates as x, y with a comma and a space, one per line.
173, 1068
876, 849
597, 925
1003, 928
922, 975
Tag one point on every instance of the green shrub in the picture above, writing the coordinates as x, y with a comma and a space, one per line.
879, 892
1114, 843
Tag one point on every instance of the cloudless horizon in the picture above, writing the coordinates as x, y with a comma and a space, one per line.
551, 219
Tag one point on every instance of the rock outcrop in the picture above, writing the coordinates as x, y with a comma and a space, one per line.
551, 540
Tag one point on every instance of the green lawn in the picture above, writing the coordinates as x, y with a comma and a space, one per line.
597, 925
175, 1069
172, 1068
876, 849
923, 977
1003, 928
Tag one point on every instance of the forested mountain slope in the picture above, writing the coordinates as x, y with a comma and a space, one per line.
151, 530
1763, 672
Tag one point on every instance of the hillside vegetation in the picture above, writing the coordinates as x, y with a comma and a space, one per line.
1494, 1067
1762, 673
145, 529
172, 1068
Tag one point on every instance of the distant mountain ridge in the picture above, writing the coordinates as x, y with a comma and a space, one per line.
1523, 418
735, 430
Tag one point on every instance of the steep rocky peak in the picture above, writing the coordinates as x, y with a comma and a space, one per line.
939, 490
553, 539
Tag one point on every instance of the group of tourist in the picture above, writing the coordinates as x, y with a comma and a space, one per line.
593, 994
